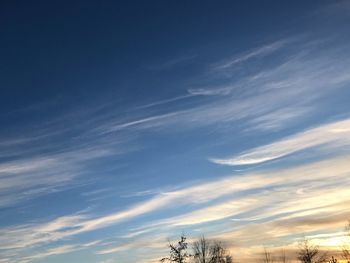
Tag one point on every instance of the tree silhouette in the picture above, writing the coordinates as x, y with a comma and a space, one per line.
202, 250
219, 254
267, 257
178, 252
310, 254
283, 257
209, 251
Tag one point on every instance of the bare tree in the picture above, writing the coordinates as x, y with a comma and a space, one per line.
206, 251
267, 258
283, 258
310, 254
219, 254
178, 252
202, 250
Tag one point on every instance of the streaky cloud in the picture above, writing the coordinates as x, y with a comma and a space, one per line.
26, 236
210, 92
329, 136
257, 52
166, 101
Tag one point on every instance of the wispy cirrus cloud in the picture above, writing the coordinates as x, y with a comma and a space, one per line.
278, 119
302, 182
167, 101
254, 53
53, 157
58, 250
210, 92
282, 182
277, 211
30, 177
331, 135
173, 62
281, 95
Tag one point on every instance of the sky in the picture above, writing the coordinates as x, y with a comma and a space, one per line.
125, 124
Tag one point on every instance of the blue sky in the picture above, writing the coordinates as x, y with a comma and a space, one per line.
124, 125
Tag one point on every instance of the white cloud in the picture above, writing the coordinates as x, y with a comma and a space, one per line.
278, 118
210, 92
30, 177
257, 52
284, 183
282, 94
271, 195
332, 135
59, 250
166, 101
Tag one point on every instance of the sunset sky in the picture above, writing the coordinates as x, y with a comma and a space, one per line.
125, 124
